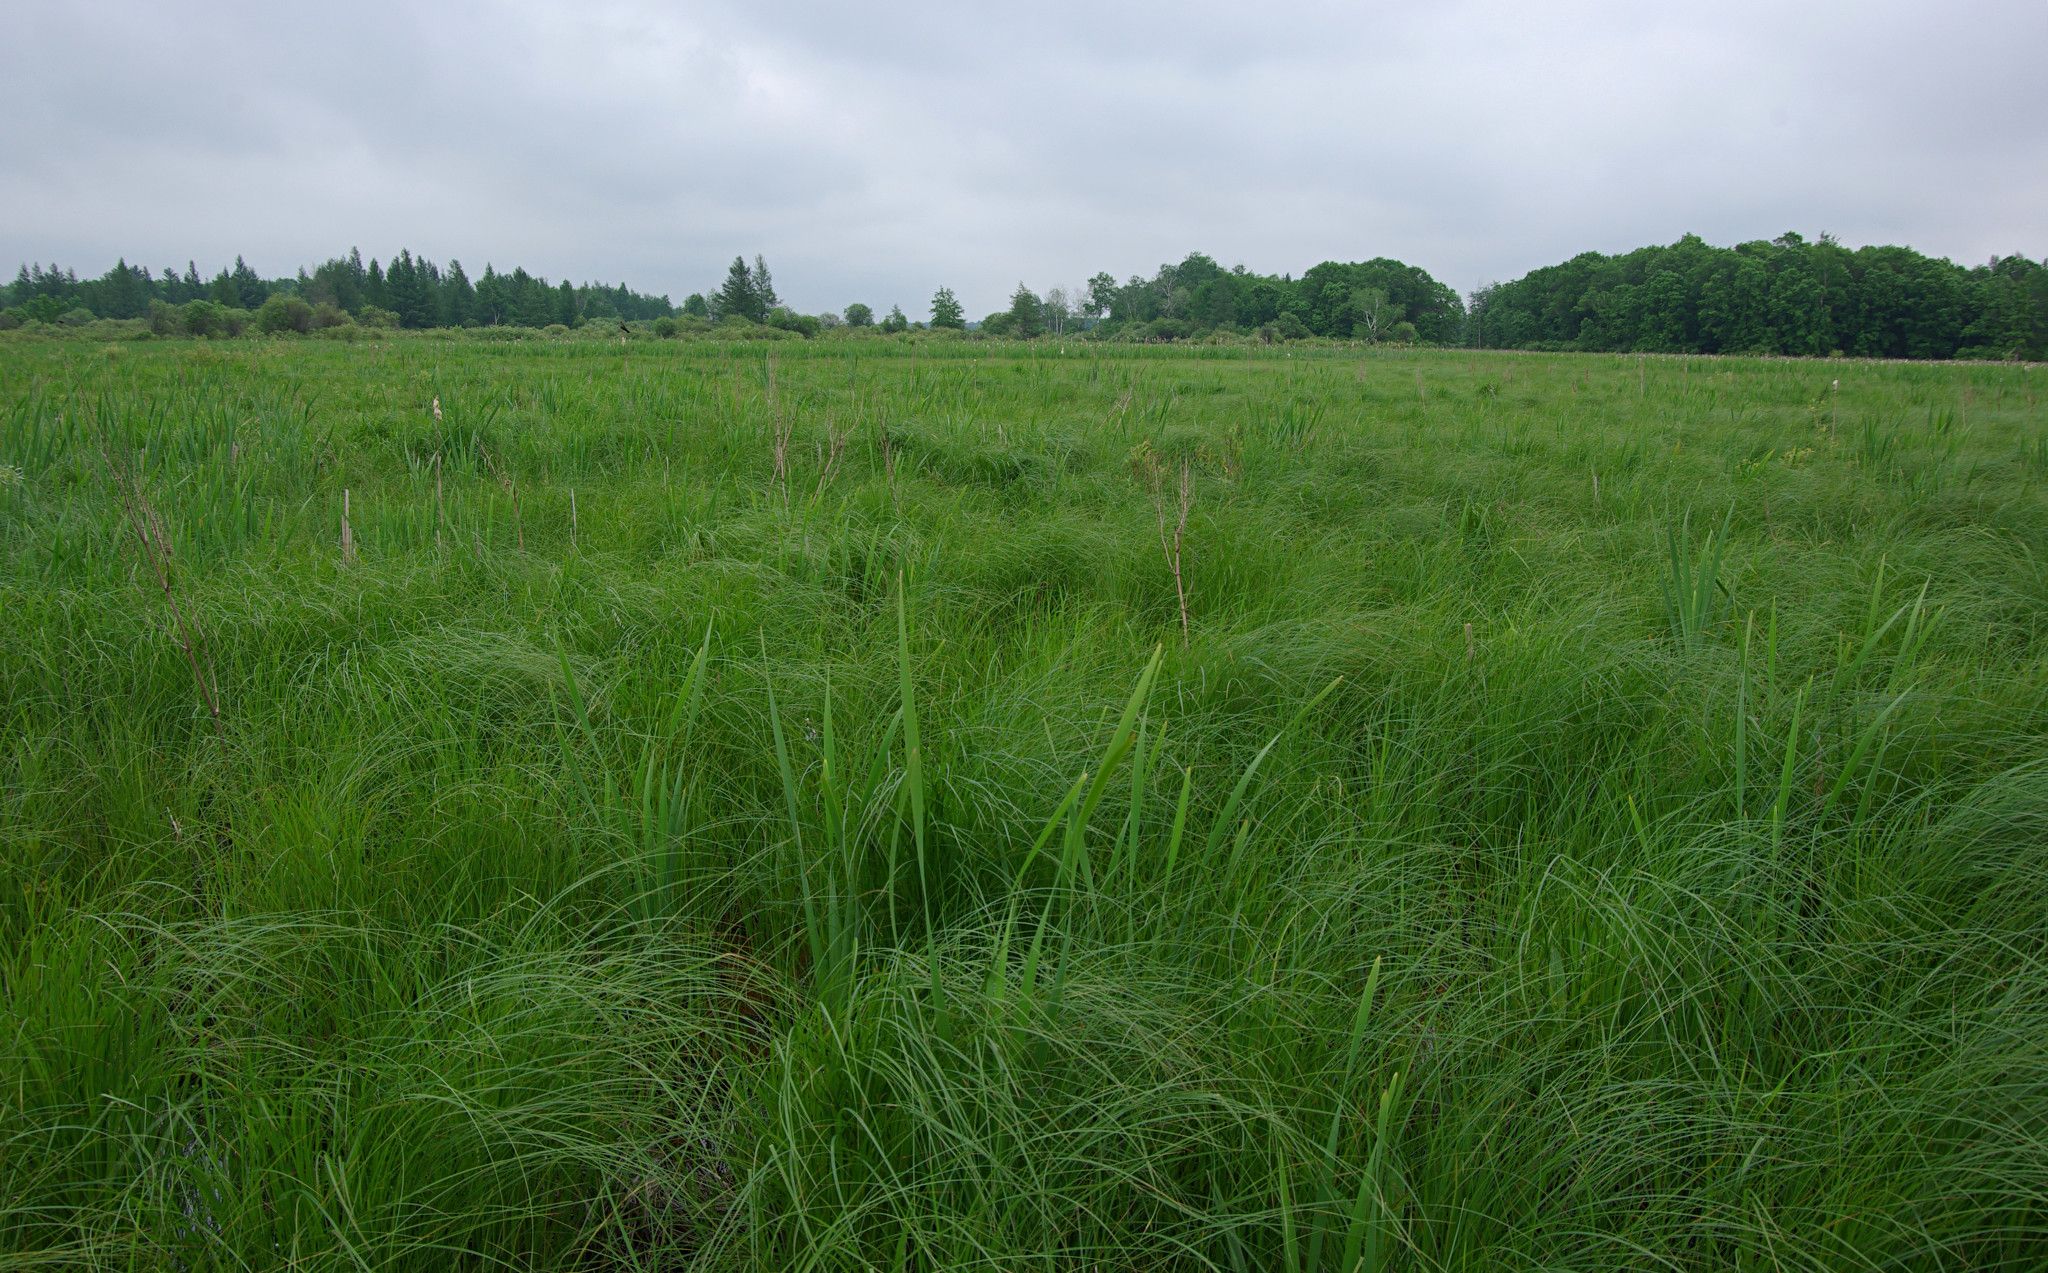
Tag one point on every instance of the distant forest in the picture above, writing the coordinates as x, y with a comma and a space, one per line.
1784, 296
1787, 296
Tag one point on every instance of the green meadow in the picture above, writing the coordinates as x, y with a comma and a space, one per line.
911, 804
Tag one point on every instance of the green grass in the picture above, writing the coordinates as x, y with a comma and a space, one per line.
1598, 819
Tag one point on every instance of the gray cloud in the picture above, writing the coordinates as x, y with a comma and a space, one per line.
876, 152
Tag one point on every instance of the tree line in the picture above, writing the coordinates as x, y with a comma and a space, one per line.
1376, 300
1784, 296
411, 291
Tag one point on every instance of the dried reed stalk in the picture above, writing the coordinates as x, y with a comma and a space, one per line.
153, 542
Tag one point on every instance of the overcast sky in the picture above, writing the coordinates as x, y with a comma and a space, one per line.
874, 152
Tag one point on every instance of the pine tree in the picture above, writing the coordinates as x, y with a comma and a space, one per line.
249, 289
738, 297
491, 307
458, 298
532, 300
946, 311
764, 285
410, 295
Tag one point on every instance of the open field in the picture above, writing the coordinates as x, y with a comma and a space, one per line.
737, 807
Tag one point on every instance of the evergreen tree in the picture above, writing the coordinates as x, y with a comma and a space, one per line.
739, 297
249, 289
124, 292
458, 298
411, 297
946, 310
493, 308
764, 284
533, 302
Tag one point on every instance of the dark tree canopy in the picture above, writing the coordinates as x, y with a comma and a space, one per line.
1785, 296
412, 291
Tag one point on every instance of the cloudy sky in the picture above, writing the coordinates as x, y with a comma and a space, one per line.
874, 152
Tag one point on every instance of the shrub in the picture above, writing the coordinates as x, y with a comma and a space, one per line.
116, 329
372, 316
327, 314
164, 320
665, 328
284, 312
78, 316
203, 318
790, 321
10, 319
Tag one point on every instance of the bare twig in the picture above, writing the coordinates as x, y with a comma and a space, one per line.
828, 456
1150, 470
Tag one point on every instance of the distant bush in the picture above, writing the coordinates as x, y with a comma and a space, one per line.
284, 312
372, 316
116, 329
77, 317
555, 329
790, 321
328, 315
203, 318
665, 328
10, 319
164, 320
